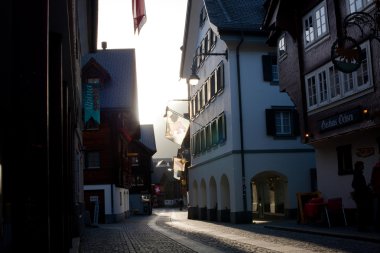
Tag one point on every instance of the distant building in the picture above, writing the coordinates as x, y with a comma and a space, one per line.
140, 154
247, 158
111, 132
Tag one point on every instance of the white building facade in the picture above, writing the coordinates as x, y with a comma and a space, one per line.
247, 158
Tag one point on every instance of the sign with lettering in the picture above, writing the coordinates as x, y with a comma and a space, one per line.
341, 119
91, 104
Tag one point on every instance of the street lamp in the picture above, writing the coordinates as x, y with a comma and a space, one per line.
194, 78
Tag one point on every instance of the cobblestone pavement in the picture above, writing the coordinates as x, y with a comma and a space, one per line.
171, 231
133, 235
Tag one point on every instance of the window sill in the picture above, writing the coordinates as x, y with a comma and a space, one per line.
317, 42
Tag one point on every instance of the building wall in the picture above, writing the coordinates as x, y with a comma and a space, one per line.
222, 164
113, 210
327, 164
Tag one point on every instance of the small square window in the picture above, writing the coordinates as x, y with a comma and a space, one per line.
92, 160
281, 47
282, 122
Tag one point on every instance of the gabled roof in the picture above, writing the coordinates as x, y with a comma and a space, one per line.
236, 15
227, 17
121, 90
281, 16
147, 137
93, 69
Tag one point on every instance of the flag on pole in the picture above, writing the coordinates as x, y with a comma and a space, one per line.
139, 14
178, 167
179, 164
176, 127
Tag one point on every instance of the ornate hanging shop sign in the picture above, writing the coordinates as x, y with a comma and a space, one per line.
346, 54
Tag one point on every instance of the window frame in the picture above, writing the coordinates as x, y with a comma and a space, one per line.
344, 80
311, 20
209, 136
271, 123
88, 162
285, 122
366, 4
281, 48
269, 64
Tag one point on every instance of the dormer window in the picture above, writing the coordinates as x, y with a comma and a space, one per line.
315, 24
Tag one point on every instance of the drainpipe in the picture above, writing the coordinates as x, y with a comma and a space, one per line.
242, 156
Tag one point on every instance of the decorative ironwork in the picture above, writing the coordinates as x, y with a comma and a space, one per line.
345, 52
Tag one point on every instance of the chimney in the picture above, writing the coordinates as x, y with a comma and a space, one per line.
104, 45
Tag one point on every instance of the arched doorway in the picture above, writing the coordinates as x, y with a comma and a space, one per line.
225, 205
193, 208
213, 207
203, 201
269, 191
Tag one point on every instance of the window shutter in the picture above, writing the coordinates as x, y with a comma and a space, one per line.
270, 122
296, 123
267, 67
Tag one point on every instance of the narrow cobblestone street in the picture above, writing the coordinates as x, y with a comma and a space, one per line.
169, 230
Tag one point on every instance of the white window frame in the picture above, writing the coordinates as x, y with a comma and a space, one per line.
315, 24
282, 122
281, 47
340, 86
358, 5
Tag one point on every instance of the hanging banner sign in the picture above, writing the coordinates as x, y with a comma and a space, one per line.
91, 105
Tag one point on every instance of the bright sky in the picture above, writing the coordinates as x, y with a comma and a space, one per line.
158, 58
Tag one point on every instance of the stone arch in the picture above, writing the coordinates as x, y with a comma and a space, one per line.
213, 200
225, 204
194, 199
203, 194
203, 200
269, 193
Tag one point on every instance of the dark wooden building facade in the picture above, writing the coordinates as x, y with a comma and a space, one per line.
117, 163
41, 193
328, 52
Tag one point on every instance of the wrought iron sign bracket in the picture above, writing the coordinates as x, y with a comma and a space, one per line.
346, 54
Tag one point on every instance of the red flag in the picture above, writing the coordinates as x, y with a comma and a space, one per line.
139, 15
